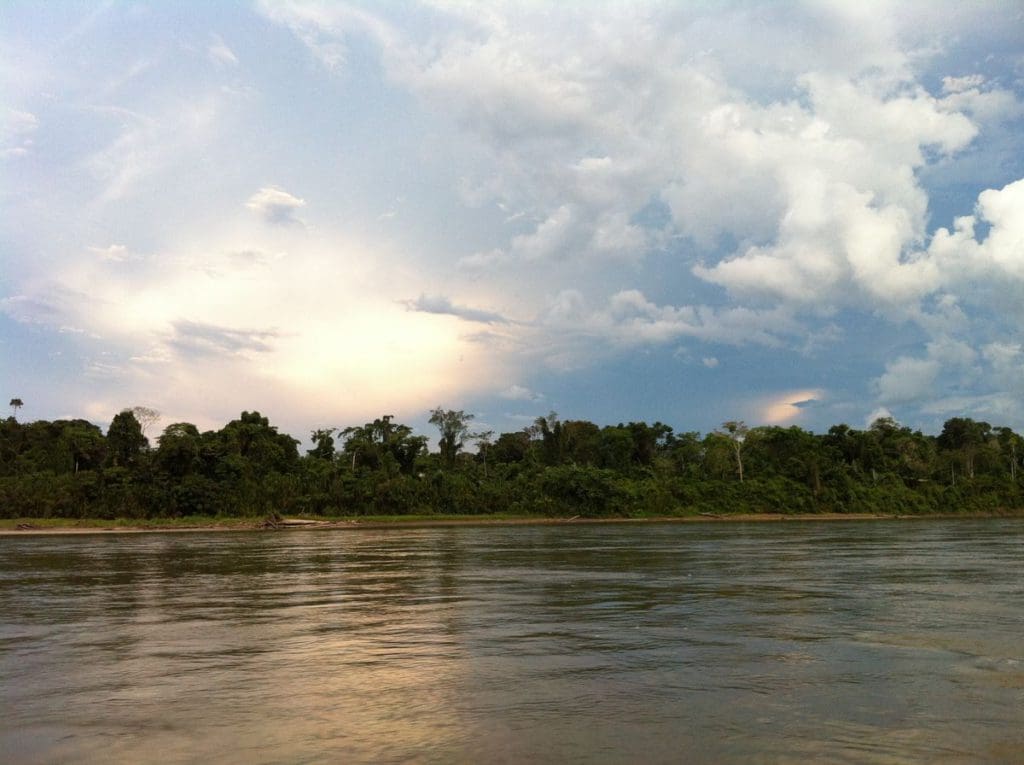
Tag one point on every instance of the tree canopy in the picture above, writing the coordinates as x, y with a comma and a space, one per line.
554, 467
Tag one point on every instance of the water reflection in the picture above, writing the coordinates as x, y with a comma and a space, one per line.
859, 642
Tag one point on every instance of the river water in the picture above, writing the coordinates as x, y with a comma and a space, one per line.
861, 642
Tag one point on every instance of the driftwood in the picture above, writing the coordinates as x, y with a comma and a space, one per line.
272, 522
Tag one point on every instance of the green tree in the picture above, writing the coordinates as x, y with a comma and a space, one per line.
454, 427
259, 444
1011, 446
16, 404
178, 449
484, 441
383, 443
553, 438
125, 440
323, 444
966, 437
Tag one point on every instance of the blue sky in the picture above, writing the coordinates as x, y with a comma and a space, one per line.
787, 213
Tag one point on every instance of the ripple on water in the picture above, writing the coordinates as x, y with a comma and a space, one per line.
867, 642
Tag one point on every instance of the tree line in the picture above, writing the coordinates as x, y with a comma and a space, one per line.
72, 469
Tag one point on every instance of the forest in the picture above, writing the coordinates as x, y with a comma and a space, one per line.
554, 467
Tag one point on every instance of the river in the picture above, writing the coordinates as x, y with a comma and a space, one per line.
861, 642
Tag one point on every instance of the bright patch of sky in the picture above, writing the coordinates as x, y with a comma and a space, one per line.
788, 213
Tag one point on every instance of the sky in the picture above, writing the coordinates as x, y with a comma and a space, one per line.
785, 213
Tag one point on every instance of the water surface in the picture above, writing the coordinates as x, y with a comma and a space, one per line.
861, 642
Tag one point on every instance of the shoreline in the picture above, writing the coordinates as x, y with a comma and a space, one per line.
27, 526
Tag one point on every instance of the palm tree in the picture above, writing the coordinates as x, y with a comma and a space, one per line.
16, 404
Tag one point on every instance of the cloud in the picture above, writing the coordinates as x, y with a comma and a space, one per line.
16, 130
788, 406
710, 362
315, 330
629, 180
151, 142
248, 258
438, 304
31, 309
907, 380
819, 185
276, 206
220, 53
192, 338
960, 84
880, 413
520, 393
115, 253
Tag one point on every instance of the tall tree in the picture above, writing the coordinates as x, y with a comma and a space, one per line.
736, 431
124, 439
16, 404
382, 442
323, 444
178, 449
147, 417
966, 436
454, 427
484, 440
1012, 448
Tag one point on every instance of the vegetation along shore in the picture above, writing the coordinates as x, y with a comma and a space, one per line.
248, 474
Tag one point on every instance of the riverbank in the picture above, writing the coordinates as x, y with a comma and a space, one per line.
30, 526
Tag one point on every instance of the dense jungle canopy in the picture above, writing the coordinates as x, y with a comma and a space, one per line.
71, 469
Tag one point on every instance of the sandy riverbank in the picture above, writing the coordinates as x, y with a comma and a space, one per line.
27, 527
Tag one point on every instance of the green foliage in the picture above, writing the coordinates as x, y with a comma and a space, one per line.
125, 440
454, 427
70, 469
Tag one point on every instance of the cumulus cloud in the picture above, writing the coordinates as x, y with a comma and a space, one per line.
625, 176
276, 206
820, 189
907, 380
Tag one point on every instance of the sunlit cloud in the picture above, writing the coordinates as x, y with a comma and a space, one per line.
276, 205
449, 203
787, 407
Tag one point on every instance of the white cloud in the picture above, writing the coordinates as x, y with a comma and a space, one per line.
907, 380
276, 206
960, 84
881, 413
116, 253
631, 176
149, 144
520, 393
320, 332
220, 53
589, 118
710, 362
16, 130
